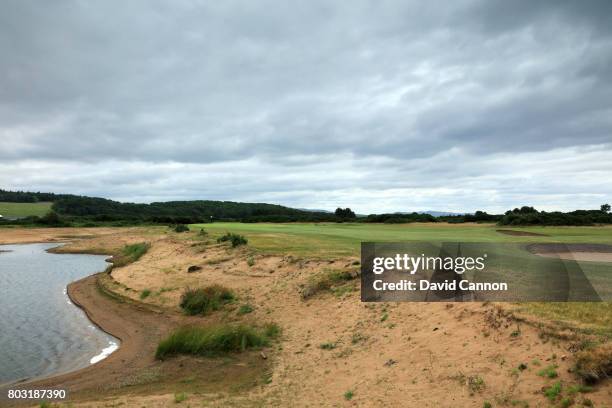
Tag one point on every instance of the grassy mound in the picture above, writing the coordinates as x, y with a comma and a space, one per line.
215, 340
205, 300
131, 253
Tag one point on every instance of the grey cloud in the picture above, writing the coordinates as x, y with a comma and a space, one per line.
381, 87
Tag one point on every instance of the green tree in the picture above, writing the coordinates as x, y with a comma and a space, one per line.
605, 208
345, 213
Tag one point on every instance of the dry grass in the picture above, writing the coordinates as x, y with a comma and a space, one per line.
594, 364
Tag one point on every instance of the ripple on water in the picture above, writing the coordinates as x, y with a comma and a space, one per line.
43, 333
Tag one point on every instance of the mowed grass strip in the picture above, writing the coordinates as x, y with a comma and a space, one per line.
24, 209
324, 240
215, 339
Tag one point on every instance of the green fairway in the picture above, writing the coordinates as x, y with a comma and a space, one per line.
328, 240
24, 209
334, 239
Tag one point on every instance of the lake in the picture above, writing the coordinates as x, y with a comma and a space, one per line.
41, 332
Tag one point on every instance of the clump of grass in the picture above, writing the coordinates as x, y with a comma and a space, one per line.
202, 232
595, 363
131, 253
250, 260
181, 228
145, 293
349, 395
205, 300
326, 281
328, 346
553, 392
475, 383
549, 372
244, 309
272, 330
212, 340
358, 338
234, 239
487, 404
179, 397
579, 388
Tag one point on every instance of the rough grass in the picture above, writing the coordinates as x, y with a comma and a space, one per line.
594, 364
205, 300
131, 253
215, 340
24, 209
326, 281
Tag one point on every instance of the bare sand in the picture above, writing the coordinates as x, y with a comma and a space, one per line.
576, 252
383, 354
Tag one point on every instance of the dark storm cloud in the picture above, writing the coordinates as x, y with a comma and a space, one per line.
321, 101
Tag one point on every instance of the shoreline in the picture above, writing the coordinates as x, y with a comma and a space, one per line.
136, 328
74, 300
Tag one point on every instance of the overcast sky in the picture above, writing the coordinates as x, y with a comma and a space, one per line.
377, 105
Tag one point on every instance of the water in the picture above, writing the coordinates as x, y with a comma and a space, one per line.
41, 331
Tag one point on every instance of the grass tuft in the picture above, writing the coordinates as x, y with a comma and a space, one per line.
327, 346
349, 395
553, 392
131, 253
235, 239
212, 340
549, 372
179, 397
181, 228
594, 364
244, 309
326, 281
145, 293
205, 300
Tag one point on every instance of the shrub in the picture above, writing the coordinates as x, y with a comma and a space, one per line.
205, 300
131, 253
212, 340
235, 239
181, 228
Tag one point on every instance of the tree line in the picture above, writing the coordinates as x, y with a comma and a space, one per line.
70, 209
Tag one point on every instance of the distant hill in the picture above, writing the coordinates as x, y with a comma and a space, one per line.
102, 209
313, 210
434, 213
440, 213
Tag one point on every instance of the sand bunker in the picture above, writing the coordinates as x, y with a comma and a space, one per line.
577, 252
